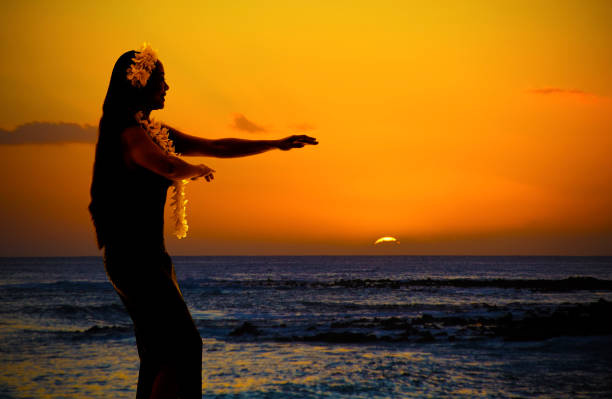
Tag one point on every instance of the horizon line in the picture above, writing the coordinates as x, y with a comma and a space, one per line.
330, 255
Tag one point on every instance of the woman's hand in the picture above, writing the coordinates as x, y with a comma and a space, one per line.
296, 141
205, 172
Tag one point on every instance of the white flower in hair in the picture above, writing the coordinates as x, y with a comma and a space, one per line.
159, 134
143, 64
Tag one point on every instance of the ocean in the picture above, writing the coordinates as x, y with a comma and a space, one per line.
324, 327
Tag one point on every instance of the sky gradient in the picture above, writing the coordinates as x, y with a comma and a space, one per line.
464, 127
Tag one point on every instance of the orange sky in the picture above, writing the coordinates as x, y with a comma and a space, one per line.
471, 127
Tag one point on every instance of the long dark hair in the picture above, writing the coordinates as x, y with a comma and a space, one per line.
122, 99
121, 103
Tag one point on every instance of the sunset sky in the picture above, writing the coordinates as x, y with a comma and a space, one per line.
458, 127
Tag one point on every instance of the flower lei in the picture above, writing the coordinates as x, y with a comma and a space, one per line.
159, 134
138, 74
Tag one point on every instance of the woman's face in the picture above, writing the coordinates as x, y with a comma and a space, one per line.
157, 87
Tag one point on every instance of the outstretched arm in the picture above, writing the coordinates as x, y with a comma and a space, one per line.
139, 149
186, 144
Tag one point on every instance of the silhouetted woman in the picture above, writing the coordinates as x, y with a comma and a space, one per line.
135, 164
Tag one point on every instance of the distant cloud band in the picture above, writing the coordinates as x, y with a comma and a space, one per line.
242, 123
557, 90
49, 133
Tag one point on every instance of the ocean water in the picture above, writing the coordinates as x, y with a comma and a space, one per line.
324, 327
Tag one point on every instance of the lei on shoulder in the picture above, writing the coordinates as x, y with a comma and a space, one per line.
159, 134
138, 74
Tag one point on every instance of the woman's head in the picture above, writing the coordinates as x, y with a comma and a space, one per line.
156, 88
137, 84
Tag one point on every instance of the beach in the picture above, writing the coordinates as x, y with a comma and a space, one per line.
324, 327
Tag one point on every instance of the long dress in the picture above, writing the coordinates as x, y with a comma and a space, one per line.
127, 209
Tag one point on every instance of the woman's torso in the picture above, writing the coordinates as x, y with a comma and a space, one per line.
128, 200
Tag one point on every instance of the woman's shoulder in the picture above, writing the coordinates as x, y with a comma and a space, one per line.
133, 130
134, 135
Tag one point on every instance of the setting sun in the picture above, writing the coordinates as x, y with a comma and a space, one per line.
386, 239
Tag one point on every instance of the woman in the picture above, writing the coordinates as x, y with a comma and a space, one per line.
136, 162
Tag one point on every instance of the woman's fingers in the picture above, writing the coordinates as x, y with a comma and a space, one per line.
209, 174
208, 177
206, 172
296, 141
306, 139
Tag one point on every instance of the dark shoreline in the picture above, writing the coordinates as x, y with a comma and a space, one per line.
576, 283
538, 324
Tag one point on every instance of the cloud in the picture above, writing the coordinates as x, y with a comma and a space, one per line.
49, 133
242, 123
303, 126
557, 90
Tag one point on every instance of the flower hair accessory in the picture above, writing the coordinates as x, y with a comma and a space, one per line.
143, 64
159, 134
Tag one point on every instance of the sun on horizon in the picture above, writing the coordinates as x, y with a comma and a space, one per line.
386, 240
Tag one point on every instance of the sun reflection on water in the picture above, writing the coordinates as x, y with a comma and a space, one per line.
109, 368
